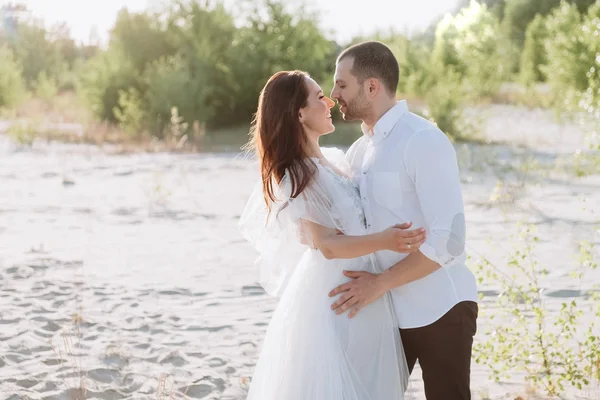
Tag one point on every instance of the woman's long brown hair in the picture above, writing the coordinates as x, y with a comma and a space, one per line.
277, 135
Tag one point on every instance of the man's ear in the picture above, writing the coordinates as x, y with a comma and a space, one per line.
373, 86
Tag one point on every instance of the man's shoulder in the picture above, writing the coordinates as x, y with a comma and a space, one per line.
416, 123
422, 130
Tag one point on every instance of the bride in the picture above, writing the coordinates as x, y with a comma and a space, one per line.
294, 219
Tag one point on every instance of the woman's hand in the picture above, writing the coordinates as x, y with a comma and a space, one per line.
399, 239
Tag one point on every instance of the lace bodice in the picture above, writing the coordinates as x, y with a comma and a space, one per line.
352, 190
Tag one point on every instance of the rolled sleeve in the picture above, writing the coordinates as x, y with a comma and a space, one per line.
430, 161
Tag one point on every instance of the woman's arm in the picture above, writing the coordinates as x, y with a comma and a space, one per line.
334, 245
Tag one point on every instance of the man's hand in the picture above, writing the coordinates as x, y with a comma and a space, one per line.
364, 289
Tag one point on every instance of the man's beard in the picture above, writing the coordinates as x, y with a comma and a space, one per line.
356, 109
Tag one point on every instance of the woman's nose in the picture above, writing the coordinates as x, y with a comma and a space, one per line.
330, 103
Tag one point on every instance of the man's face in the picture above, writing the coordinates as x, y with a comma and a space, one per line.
349, 92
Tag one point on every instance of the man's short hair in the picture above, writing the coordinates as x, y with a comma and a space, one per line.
373, 60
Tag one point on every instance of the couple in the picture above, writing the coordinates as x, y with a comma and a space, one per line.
362, 296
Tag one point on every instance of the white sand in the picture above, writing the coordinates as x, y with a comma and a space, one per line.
144, 250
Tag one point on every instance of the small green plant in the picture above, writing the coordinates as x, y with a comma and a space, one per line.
130, 112
552, 350
22, 133
177, 129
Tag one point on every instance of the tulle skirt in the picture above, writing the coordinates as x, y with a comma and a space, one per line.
311, 353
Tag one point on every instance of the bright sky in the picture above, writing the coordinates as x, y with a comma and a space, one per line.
344, 18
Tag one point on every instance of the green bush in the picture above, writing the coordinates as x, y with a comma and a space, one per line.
45, 87
446, 99
12, 86
105, 76
534, 54
413, 59
170, 83
37, 53
553, 351
471, 43
589, 35
130, 113
274, 38
573, 62
518, 14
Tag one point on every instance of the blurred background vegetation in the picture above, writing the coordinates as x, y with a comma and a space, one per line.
192, 72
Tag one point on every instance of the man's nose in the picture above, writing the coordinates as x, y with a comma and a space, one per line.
334, 94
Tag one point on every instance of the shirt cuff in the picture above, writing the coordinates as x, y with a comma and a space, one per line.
431, 253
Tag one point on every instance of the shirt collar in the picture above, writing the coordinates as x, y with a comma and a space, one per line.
384, 125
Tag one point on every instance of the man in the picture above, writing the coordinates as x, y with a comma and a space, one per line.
406, 169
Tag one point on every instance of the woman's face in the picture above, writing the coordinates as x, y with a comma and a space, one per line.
316, 116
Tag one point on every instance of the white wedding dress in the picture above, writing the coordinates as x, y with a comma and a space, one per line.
309, 352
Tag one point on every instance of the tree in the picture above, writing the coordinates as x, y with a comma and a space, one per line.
471, 44
11, 81
534, 55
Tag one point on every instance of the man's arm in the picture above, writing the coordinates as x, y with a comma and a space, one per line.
431, 164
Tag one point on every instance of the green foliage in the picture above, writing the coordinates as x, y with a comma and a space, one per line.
471, 44
23, 133
45, 87
553, 351
104, 77
565, 72
573, 68
518, 14
589, 35
37, 53
130, 113
210, 63
275, 39
141, 37
413, 59
169, 83
12, 87
534, 53
197, 60
206, 38
446, 100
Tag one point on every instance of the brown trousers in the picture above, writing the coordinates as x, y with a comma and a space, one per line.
444, 352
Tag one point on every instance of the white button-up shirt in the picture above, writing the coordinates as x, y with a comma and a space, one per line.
407, 171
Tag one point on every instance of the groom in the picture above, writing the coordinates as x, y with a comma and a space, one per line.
406, 169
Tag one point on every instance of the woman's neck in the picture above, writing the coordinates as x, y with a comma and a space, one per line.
314, 150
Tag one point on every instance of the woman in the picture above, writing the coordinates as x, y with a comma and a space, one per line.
294, 219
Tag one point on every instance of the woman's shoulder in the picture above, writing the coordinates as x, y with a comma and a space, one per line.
337, 157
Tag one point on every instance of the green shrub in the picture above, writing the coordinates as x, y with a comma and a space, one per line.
12, 86
534, 54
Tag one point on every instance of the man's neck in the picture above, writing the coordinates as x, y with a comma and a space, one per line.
378, 112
